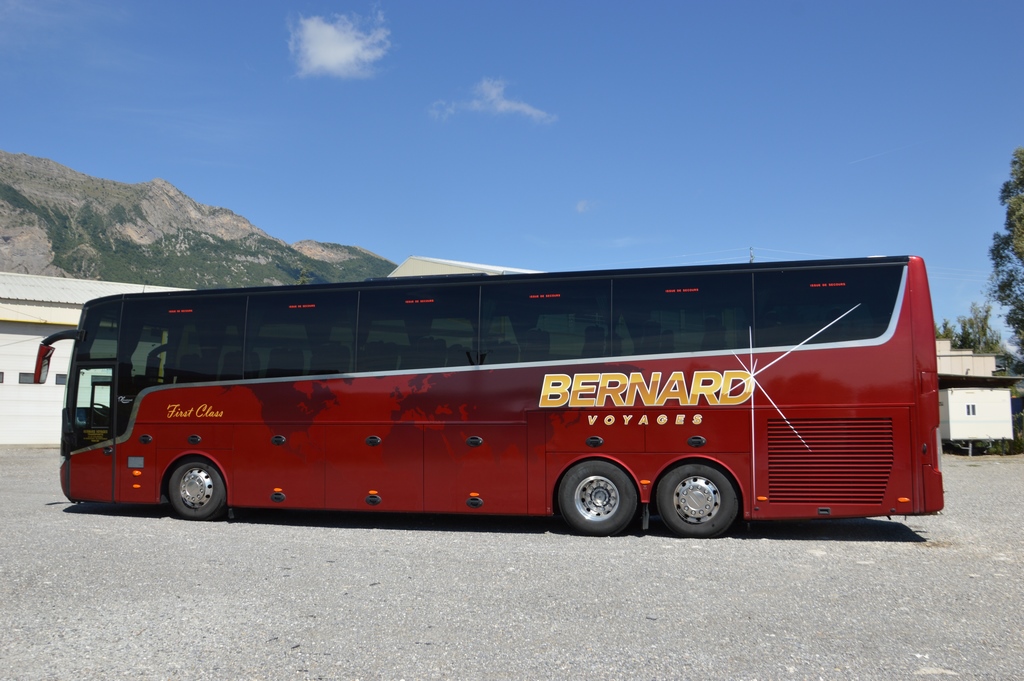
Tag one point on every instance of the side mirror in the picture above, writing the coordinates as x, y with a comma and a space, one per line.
42, 369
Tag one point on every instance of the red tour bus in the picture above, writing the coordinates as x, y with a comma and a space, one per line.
717, 393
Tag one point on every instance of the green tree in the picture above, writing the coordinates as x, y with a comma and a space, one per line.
973, 331
1007, 253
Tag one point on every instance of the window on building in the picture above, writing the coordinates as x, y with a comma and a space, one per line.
24, 378
972, 410
62, 379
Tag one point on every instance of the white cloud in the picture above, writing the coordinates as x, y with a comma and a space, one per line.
490, 98
442, 110
583, 206
342, 49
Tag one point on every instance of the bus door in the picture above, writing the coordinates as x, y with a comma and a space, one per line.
89, 433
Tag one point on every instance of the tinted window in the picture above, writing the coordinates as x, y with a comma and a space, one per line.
300, 333
682, 313
417, 327
824, 306
100, 331
180, 340
545, 321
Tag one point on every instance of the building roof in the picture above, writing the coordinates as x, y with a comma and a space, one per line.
962, 381
36, 288
417, 266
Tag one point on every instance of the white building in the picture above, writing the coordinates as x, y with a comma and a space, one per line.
31, 308
975, 414
974, 405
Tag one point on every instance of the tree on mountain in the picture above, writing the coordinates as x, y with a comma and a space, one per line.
1007, 253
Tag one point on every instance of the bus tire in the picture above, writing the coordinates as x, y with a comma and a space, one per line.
697, 501
196, 490
597, 498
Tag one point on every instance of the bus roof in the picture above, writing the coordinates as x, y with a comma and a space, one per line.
444, 279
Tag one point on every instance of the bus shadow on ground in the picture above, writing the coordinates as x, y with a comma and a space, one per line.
432, 522
838, 530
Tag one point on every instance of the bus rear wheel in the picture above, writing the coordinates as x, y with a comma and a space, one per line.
695, 500
597, 498
196, 490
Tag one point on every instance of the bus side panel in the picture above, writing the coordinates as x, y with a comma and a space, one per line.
91, 476
833, 462
700, 429
138, 475
382, 460
574, 430
471, 466
646, 442
278, 465
539, 495
927, 452
153, 447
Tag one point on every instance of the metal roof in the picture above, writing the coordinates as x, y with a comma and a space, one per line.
961, 381
420, 265
36, 288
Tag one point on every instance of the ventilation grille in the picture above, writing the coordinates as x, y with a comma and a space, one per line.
829, 461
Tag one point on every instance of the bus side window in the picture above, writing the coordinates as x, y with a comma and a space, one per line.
299, 332
683, 312
330, 358
175, 340
232, 364
824, 306
100, 337
549, 320
286, 361
410, 328
499, 344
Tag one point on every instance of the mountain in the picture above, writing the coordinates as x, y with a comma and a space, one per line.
59, 222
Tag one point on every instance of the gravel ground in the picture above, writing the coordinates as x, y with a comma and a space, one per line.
94, 591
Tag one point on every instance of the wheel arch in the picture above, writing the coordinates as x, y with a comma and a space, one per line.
569, 465
192, 455
704, 461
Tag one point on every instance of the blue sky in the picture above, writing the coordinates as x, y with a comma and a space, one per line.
546, 135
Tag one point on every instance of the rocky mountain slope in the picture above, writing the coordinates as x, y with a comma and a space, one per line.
59, 222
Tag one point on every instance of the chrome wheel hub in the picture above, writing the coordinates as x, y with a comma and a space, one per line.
196, 487
697, 500
596, 498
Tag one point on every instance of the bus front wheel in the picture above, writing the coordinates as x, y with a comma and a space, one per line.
695, 500
196, 490
597, 498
